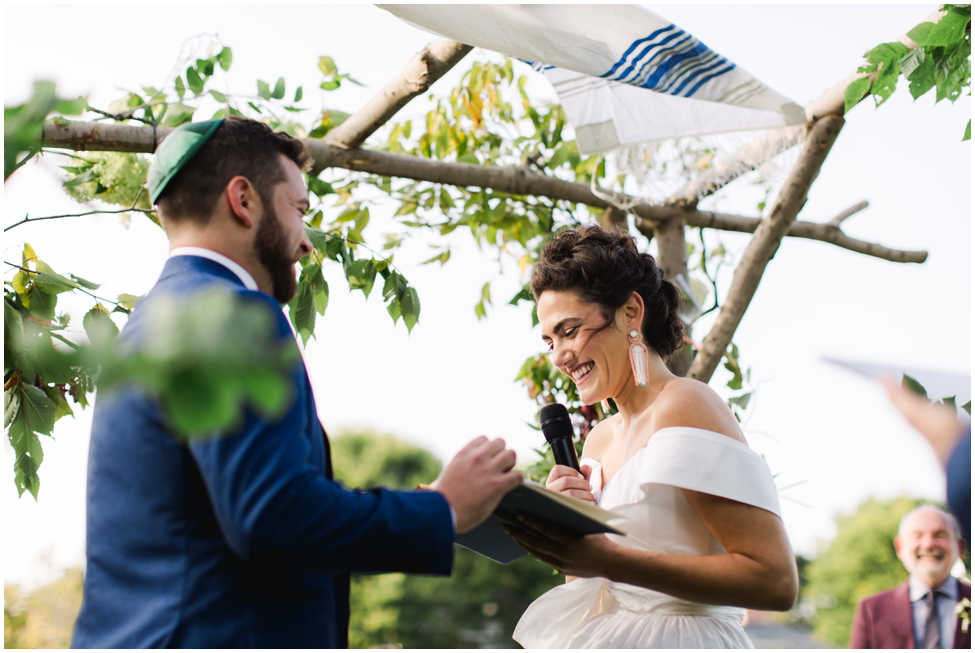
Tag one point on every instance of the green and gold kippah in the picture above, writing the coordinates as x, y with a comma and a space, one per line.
175, 151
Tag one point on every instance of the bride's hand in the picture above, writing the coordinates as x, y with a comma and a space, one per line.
589, 556
565, 480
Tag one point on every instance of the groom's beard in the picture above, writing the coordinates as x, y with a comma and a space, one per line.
273, 255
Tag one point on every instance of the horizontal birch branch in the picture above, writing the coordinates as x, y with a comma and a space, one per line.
101, 136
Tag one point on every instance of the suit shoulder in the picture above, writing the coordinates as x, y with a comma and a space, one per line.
883, 598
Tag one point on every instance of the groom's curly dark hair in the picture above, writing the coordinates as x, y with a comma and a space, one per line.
604, 267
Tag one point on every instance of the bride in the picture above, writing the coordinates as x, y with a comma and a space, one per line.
704, 534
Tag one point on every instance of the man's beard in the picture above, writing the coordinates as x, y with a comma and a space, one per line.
273, 255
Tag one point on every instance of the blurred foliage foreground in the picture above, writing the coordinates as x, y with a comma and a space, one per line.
477, 607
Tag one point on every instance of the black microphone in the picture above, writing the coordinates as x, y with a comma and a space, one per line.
557, 429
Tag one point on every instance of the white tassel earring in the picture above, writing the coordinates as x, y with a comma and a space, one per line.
639, 359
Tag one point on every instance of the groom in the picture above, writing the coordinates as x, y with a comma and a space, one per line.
244, 539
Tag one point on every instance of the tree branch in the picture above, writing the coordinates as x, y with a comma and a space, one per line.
78, 215
426, 67
762, 247
513, 180
856, 208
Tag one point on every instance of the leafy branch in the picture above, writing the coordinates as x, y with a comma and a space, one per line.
940, 61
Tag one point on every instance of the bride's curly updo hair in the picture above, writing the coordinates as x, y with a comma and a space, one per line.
604, 267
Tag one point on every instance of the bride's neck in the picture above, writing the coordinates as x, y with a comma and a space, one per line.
635, 400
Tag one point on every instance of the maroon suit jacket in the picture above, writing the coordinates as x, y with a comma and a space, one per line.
886, 620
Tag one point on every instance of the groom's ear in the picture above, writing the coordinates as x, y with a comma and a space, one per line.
243, 200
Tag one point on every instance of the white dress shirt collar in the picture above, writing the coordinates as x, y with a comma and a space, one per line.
202, 252
918, 589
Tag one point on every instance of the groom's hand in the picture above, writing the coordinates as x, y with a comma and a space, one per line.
476, 479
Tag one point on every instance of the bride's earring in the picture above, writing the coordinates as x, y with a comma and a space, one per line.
605, 404
639, 359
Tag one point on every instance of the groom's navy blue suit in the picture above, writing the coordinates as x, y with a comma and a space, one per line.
238, 541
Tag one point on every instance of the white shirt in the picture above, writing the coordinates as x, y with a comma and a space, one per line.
946, 598
236, 268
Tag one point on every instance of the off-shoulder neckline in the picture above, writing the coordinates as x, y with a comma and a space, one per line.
713, 435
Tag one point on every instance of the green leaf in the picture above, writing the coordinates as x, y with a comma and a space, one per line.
99, 327
84, 282
128, 301
303, 310
263, 90
922, 78
177, 114
949, 402
947, 31
411, 309
855, 92
910, 61
61, 406
54, 284
71, 107
968, 131
298, 94
362, 275
320, 187
968, 407
41, 303
225, 58
560, 156
330, 85
361, 220
194, 81
443, 257
269, 393
741, 400
180, 87
909, 383
198, 404
327, 66
218, 96
278, 91
37, 412
13, 328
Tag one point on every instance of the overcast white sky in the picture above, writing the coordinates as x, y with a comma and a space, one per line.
452, 379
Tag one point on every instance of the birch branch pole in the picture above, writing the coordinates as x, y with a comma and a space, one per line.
768, 236
417, 76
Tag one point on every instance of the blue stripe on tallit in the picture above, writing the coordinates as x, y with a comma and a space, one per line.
677, 47
680, 40
656, 79
633, 46
708, 79
666, 85
697, 72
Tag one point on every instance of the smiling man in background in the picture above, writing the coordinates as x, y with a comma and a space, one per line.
919, 613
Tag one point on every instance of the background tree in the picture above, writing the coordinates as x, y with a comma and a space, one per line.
477, 607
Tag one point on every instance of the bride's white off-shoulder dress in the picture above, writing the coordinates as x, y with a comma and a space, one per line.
646, 492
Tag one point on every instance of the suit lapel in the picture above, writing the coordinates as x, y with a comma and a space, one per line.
902, 625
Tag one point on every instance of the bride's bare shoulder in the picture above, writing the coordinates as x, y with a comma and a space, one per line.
686, 402
599, 438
